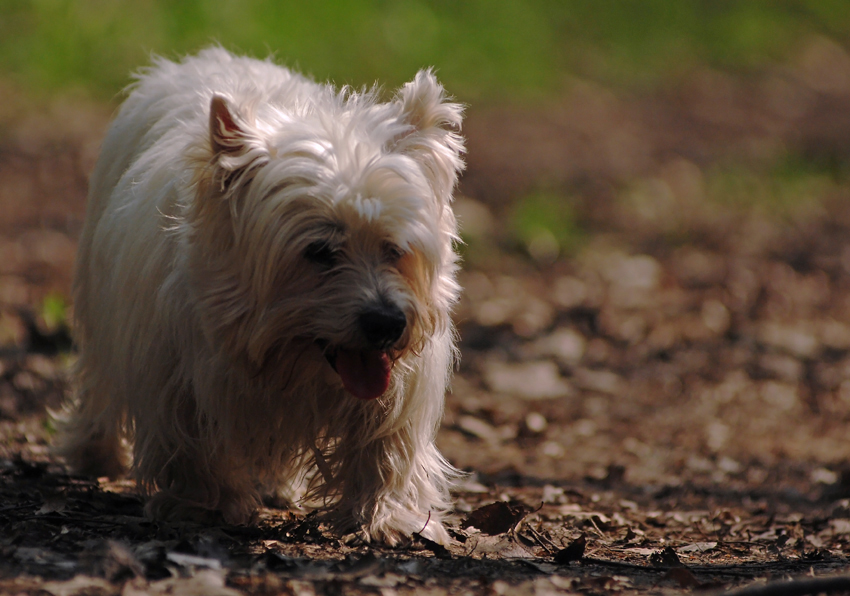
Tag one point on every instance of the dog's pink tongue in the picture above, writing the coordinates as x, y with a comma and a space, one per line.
365, 373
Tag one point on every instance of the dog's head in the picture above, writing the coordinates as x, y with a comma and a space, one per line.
322, 228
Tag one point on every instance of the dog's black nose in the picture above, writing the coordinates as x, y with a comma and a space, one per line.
382, 325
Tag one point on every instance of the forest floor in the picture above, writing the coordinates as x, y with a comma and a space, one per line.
665, 408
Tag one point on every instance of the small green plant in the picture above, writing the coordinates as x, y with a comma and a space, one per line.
54, 312
49, 426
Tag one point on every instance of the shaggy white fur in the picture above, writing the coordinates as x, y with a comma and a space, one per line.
262, 296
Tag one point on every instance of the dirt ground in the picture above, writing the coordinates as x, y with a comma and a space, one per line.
667, 409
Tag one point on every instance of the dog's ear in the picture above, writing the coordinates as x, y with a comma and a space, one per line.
237, 147
425, 106
433, 137
227, 130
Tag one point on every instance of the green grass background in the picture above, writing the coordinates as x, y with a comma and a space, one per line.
485, 50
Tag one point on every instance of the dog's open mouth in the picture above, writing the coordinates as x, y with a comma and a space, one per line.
365, 374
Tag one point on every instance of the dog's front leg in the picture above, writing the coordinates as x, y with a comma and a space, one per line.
393, 487
191, 472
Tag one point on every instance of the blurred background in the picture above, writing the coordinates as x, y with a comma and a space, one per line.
655, 215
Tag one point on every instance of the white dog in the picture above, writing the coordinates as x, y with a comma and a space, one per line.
263, 296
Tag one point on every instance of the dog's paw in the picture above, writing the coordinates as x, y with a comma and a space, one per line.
353, 539
398, 530
434, 530
167, 506
352, 532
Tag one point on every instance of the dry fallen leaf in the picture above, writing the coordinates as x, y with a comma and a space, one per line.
665, 558
696, 547
573, 552
496, 518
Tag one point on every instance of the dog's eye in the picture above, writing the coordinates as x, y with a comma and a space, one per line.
321, 253
392, 253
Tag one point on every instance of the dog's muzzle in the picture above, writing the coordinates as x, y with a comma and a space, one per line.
382, 326
365, 372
